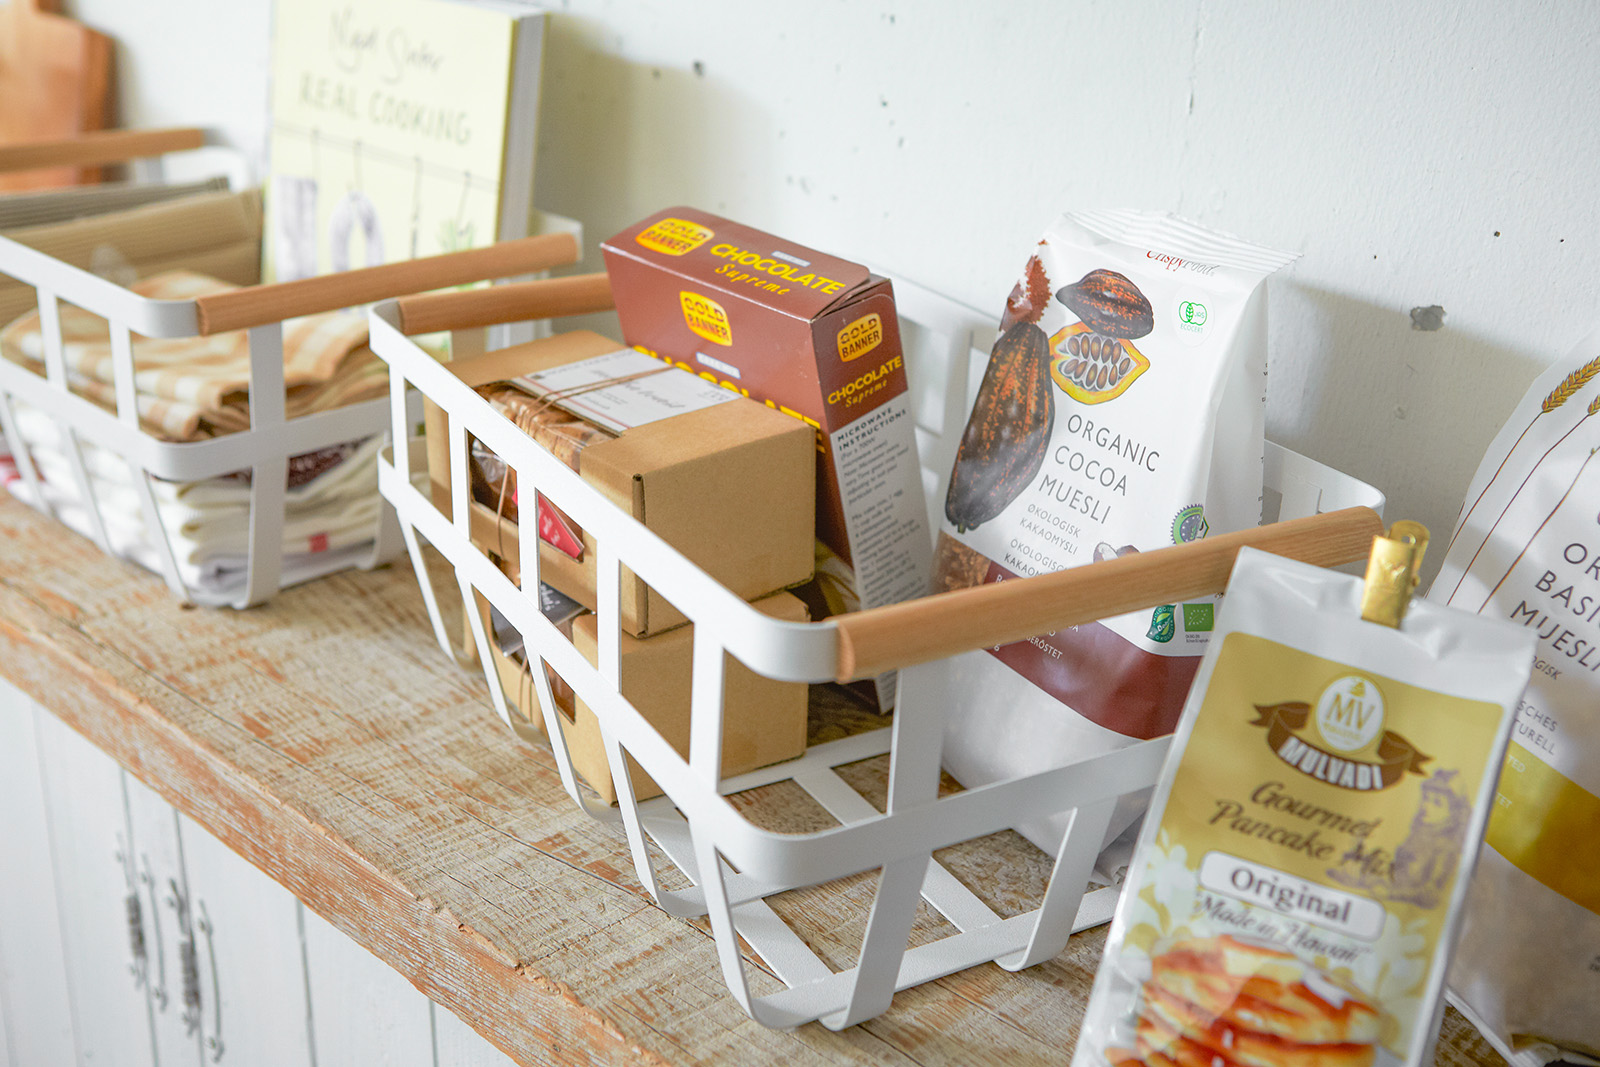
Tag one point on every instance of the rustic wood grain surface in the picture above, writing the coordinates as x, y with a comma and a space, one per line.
326, 739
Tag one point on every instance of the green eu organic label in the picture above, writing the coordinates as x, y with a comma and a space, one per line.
1199, 618
1163, 624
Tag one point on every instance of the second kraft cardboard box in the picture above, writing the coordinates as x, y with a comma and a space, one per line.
731, 487
813, 336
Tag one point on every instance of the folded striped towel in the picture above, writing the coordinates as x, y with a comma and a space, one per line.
192, 388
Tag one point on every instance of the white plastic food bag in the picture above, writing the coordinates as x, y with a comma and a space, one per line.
1527, 549
1298, 880
1121, 411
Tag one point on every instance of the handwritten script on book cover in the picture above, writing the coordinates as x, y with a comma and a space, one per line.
388, 132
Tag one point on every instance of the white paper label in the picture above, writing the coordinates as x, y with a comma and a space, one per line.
623, 389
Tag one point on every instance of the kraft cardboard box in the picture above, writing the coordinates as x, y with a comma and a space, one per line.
730, 486
764, 720
815, 337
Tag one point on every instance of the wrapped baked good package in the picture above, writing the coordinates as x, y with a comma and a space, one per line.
1297, 884
1527, 549
1122, 410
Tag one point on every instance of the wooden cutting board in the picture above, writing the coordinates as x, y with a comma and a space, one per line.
55, 83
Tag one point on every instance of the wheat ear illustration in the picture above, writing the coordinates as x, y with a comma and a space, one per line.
1568, 387
1594, 406
1535, 535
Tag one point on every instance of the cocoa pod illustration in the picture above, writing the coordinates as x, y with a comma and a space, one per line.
1006, 438
1109, 304
1018, 308
1028, 297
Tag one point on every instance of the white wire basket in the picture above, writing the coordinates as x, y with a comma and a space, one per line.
94, 467
694, 849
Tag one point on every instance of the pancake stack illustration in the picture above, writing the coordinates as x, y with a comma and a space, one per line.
1227, 1002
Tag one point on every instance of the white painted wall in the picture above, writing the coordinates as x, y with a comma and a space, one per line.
1433, 153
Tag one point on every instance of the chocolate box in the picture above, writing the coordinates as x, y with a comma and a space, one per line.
729, 486
813, 336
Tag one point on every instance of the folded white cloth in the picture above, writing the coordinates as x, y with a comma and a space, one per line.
331, 508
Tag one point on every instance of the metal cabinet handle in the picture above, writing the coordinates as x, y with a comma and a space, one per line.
133, 915
188, 962
190, 929
214, 1043
158, 986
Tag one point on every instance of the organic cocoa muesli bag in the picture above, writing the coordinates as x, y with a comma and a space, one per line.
1298, 881
1527, 549
1122, 411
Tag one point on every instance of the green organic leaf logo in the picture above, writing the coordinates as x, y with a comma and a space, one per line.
1189, 524
1163, 624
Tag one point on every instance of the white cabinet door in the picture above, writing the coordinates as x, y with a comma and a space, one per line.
33, 972
103, 906
174, 984
455, 1044
362, 1011
253, 1007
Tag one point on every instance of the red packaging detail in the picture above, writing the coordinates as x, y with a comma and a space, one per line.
1103, 677
556, 530
318, 542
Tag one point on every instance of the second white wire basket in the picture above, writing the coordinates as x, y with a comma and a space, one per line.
696, 849
102, 473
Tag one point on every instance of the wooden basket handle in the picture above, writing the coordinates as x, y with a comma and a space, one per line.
243, 308
899, 635
105, 146
548, 298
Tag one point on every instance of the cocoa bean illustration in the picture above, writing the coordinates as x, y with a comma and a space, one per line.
1108, 303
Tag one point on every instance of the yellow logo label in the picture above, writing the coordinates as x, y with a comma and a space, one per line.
705, 317
860, 337
674, 237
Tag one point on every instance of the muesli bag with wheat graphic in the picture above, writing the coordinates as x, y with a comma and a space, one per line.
1527, 549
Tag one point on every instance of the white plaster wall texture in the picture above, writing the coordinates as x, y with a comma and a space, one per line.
1436, 153
189, 63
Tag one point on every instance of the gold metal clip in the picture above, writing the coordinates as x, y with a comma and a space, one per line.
1393, 572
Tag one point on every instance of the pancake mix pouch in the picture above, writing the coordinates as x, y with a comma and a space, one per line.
1527, 549
1122, 410
1297, 884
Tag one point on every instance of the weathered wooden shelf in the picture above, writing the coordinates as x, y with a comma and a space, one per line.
325, 738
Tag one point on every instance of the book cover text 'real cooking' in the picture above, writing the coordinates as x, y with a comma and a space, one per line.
400, 128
